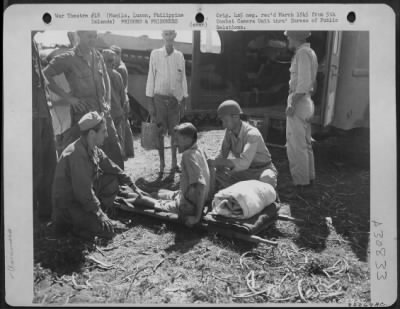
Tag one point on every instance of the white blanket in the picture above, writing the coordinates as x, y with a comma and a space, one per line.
252, 196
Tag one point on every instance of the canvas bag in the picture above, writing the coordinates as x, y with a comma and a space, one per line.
150, 135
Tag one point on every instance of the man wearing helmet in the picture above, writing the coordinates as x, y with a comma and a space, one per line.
300, 109
252, 159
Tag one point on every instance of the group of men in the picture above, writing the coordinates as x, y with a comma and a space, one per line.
90, 179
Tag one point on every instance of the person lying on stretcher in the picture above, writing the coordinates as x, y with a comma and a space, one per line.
187, 202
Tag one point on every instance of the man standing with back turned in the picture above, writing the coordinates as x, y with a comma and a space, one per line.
166, 90
300, 109
87, 76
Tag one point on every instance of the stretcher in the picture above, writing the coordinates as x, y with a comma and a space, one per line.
244, 229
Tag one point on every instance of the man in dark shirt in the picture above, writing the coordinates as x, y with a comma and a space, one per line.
86, 73
87, 182
43, 144
121, 69
118, 97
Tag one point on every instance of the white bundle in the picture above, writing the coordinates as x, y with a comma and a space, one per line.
252, 196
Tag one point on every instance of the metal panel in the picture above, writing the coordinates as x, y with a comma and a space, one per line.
328, 112
352, 94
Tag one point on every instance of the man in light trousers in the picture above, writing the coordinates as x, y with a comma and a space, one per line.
300, 109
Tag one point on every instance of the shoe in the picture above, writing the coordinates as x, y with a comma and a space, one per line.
176, 169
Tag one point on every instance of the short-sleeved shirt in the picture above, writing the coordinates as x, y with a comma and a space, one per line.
194, 170
303, 70
117, 94
248, 148
77, 172
40, 107
88, 81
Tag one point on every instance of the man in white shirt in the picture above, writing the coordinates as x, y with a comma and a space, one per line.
300, 109
166, 90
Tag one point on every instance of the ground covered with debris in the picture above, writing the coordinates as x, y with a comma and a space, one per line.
324, 260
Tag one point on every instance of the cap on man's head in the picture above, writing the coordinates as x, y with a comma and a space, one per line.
116, 49
90, 120
228, 108
186, 129
297, 35
108, 55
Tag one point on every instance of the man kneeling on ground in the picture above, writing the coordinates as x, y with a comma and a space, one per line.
187, 202
87, 182
252, 159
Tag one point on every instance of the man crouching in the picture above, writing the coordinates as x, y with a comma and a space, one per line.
87, 182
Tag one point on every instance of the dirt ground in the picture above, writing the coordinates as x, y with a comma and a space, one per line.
324, 260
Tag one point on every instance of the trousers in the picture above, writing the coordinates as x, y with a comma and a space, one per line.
225, 178
298, 142
73, 217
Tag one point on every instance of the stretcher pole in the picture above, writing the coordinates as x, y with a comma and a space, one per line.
234, 234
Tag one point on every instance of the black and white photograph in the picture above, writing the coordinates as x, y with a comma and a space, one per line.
202, 167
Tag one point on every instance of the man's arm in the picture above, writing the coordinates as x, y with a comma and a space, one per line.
249, 151
304, 77
124, 74
304, 73
196, 192
304, 80
184, 81
109, 167
107, 83
225, 146
58, 65
150, 85
82, 184
196, 195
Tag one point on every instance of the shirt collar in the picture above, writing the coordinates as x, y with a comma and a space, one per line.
78, 51
303, 45
84, 142
194, 146
165, 51
240, 131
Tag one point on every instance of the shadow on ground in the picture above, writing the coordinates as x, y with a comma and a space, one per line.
340, 195
62, 254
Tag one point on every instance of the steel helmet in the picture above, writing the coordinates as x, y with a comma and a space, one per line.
229, 107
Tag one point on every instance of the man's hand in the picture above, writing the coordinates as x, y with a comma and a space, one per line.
105, 222
223, 163
77, 105
190, 221
290, 111
126, 108
140, 193
182, 107
151, 108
